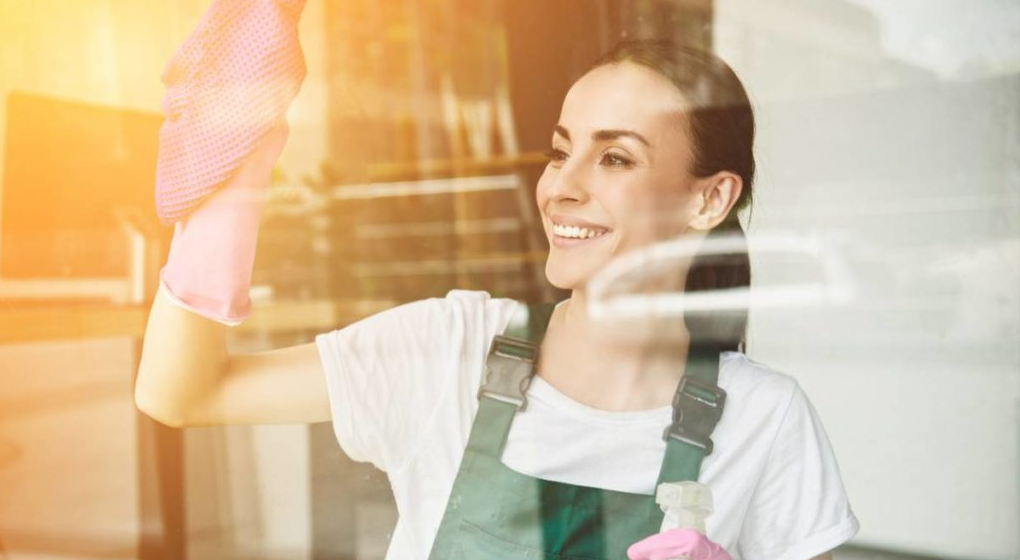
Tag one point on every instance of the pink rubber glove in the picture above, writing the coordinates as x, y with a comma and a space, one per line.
677, 543
212, 253
228, 89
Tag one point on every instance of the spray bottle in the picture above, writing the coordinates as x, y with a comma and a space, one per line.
685, 505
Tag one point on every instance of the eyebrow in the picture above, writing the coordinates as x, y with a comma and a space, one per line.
605, 134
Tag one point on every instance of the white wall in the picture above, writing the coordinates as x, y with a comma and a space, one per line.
891, 135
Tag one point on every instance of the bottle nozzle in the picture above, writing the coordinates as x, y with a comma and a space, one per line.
685, 505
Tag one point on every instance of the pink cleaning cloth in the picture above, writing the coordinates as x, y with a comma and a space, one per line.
229, 83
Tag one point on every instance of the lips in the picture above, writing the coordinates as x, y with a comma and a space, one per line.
568, 227
558, 219
576, 232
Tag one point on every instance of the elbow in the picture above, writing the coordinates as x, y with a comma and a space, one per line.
158, 410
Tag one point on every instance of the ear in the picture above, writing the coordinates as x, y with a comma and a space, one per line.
719, 193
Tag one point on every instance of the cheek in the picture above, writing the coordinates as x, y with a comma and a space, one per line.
657, 210
542, 190
673, 210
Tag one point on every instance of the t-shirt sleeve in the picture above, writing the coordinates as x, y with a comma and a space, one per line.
799, 508
387, 373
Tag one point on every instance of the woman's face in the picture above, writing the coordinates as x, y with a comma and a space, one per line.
618, 174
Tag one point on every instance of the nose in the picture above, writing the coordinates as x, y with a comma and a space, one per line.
568, 183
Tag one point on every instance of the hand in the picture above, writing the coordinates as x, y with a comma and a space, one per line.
227, 85
677, 543
212, 254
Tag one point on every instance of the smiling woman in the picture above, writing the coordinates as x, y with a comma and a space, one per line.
509, 430
661, 146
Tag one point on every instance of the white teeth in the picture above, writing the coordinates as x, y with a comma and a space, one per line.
575, 232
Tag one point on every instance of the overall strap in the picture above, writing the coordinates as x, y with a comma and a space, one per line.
529, 322
509, 369
697, 407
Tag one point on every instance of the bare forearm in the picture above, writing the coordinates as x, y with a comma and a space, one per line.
183, 358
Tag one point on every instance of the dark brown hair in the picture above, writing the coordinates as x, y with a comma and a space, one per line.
720, 124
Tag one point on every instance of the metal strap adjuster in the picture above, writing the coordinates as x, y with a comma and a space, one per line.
508, 370
697, 408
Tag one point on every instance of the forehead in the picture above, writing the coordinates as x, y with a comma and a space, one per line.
624, 96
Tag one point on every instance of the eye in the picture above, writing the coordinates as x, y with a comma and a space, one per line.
612, 159
556, 156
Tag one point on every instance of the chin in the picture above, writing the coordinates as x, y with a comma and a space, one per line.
561, 276
560, 283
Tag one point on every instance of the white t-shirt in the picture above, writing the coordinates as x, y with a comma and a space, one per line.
403, 388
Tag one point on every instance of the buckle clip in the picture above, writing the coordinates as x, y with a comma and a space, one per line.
509, 369
697, 408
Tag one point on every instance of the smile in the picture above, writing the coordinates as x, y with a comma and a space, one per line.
575, 232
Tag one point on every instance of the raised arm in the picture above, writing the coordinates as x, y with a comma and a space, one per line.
186, 376
187, 379
228, 89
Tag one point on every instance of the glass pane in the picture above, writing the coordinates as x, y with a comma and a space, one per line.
883, 237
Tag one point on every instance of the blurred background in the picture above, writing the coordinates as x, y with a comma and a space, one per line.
888, 151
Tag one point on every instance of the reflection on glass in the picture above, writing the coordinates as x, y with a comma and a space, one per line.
885, 245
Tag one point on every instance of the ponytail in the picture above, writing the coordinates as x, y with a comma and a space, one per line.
725, 329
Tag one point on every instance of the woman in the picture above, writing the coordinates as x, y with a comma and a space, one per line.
653, 142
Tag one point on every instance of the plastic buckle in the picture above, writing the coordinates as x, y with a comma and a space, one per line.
697, 408
508, 370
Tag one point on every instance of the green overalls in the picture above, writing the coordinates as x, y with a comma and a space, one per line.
495, 513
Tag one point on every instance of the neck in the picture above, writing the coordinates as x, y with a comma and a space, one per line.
605, 366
